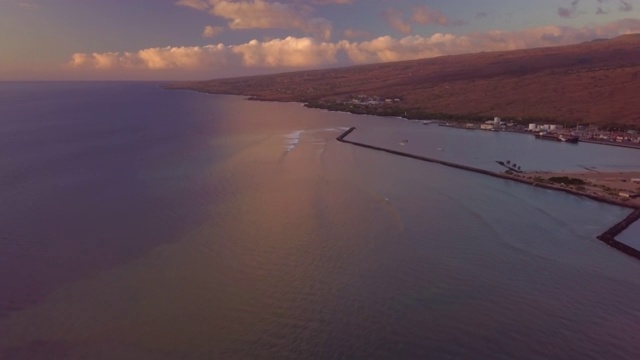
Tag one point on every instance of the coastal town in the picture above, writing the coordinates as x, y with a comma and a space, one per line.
620, 188
584, 133
378, 105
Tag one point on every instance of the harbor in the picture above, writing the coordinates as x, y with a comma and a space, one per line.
608, 237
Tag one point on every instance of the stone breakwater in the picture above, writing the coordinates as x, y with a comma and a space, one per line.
608, 237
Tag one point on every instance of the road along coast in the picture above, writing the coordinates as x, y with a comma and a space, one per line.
608, 237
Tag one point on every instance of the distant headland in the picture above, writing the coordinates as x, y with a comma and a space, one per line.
592, 83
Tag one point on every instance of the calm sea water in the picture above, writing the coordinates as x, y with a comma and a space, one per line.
139, 223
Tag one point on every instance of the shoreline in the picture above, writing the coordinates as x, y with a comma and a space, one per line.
409, 114
608, 237
611, 143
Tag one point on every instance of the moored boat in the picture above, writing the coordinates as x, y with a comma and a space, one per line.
557, 137
569, 138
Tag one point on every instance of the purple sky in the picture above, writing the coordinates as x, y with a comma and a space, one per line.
201, 39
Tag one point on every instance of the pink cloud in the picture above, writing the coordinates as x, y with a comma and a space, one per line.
307, 52
212, 31
261, 14
395, 19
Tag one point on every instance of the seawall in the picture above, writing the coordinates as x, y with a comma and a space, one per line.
611, 143
608, 237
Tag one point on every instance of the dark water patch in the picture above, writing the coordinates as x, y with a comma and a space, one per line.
90, 179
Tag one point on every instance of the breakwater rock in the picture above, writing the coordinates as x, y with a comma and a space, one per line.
609, 236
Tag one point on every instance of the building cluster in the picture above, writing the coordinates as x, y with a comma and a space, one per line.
590, 133
630, 136
495, 124
372, 100
544, 128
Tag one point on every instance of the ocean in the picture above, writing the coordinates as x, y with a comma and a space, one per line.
142, 223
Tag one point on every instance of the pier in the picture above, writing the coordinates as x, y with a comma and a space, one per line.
608, 237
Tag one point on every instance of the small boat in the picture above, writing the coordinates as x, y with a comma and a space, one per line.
557, 137
569, 139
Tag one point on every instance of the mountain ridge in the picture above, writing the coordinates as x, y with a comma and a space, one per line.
589, 82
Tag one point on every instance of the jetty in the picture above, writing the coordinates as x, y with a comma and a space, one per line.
608, 237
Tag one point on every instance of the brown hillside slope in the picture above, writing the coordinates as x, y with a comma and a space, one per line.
596, 82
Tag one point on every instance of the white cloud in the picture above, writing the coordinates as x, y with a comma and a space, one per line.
415, 47
259, 14
420, 15
186, 58
212, 31
262, 14
289, 52
424, 15
307, 52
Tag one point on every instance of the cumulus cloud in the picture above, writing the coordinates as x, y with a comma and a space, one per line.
289, 52
185, 57
286, 53
261, 14
420, 15
307, 52
424, 15
212, 31
395, 19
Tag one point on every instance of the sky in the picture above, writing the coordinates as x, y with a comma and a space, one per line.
207, 39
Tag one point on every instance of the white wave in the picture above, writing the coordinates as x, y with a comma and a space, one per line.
292, 140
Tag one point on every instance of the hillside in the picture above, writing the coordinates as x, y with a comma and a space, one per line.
595, 82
